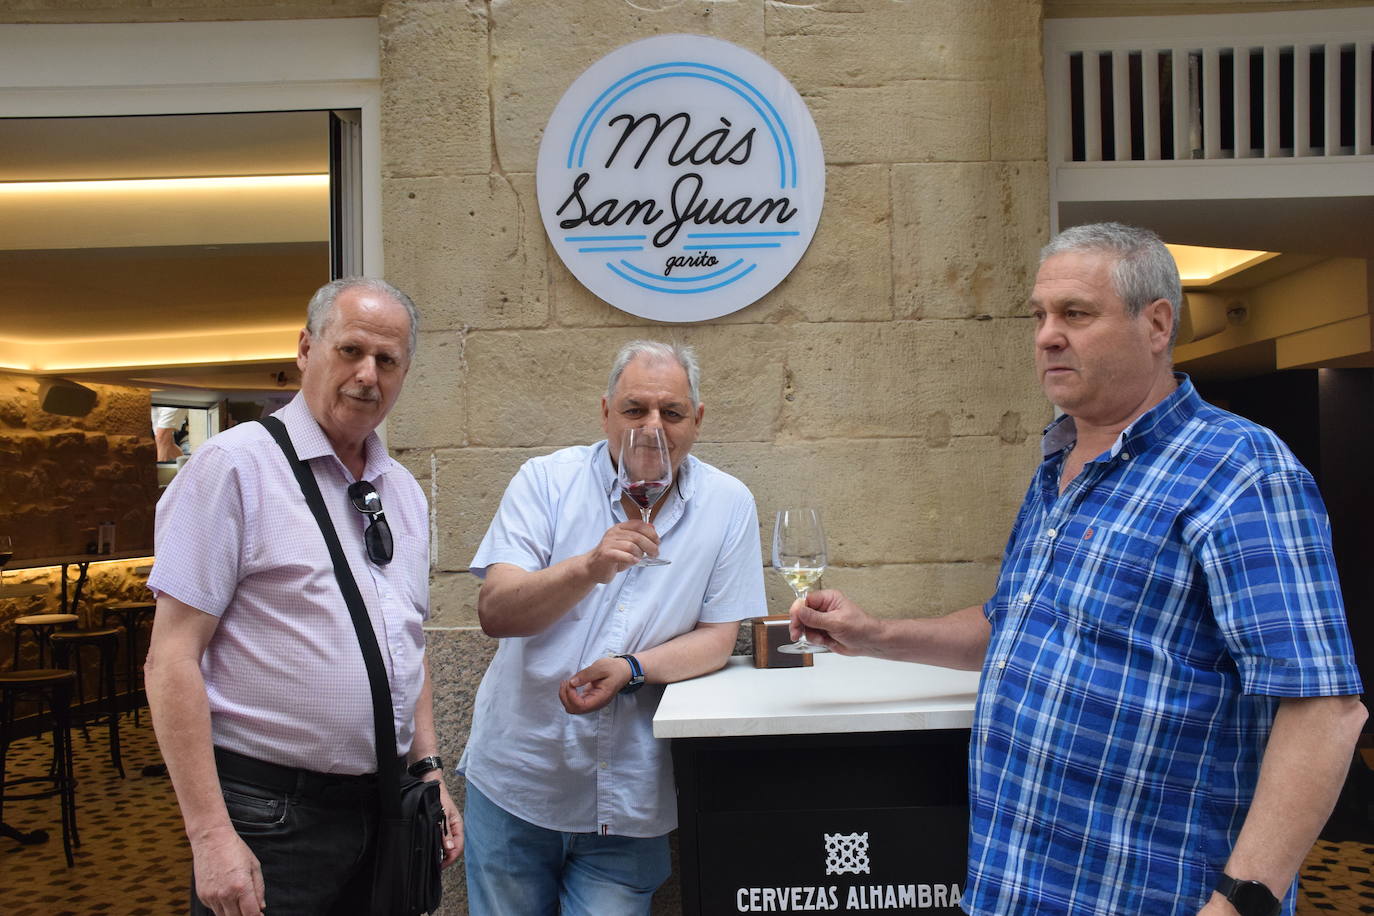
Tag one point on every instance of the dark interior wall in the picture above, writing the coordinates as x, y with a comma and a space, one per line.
1326, 417
1347, 424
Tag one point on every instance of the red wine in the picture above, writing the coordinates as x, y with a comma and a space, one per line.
6, 557
646, 492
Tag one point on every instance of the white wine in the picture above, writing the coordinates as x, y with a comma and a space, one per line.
801, 578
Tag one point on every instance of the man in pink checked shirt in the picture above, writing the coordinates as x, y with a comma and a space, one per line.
255, 679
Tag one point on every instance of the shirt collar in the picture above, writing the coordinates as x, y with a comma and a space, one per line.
1157, 423
610, 483
311, 442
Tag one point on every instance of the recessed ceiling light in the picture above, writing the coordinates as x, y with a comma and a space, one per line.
1200, 266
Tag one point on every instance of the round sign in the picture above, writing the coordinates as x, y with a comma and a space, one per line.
680, 178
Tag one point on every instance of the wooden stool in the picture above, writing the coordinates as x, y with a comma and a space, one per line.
129, 614
66, 653
55, 688
42, 626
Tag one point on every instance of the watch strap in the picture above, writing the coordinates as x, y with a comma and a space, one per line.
636, 674
425, 765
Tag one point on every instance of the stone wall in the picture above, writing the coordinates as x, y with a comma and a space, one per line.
888, 377
60, 476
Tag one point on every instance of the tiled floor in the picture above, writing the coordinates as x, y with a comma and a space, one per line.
134, 860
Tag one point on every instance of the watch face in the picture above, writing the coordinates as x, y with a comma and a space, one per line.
1251, 898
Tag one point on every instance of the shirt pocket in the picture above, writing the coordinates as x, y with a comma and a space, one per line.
1104, 578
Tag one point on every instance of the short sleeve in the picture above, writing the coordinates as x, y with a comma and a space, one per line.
735, 590
1275, 592
522, 531
199, 539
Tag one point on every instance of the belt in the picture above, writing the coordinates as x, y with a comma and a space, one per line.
294, 781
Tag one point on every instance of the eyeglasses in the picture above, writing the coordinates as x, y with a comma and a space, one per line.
377, 537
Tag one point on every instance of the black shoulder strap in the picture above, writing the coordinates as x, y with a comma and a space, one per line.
388, 765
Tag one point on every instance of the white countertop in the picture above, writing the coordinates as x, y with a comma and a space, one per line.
836, 694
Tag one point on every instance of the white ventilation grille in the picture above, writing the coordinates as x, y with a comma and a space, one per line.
1224, 97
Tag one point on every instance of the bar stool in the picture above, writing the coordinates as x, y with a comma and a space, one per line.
66, 653
42, 626
55, 688
129, 614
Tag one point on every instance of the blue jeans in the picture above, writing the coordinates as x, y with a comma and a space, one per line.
515, 868
316, 853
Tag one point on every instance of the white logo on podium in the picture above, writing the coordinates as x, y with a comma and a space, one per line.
846, 853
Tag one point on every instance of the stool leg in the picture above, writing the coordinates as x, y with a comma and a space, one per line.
130, 635
62, 657
107, 665
62, 745
6, 716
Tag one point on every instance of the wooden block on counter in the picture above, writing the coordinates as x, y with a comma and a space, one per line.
769, 633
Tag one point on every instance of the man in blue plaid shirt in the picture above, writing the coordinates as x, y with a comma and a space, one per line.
1169, 699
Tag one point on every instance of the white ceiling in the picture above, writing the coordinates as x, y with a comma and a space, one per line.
164, 146
146, 275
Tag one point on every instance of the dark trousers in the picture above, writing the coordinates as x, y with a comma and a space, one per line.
314, 835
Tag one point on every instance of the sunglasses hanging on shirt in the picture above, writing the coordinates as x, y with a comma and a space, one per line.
377, 536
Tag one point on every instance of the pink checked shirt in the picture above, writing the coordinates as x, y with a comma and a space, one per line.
283, 671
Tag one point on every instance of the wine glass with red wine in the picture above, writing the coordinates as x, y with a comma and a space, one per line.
645, 473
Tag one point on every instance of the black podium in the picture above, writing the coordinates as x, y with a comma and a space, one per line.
859, 822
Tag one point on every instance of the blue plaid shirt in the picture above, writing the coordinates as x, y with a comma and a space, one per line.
1146, 622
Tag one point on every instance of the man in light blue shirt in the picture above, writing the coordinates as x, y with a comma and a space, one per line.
570, 797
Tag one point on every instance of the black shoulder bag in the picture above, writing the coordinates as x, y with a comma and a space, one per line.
411, 826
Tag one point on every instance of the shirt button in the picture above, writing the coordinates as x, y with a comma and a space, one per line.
1052, 533
1125, 456
604, 764
1001, 663
1025, 597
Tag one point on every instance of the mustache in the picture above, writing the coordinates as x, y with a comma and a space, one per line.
364, 393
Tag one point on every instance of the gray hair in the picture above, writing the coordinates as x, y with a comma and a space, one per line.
657, 352
320, 311
1144, 269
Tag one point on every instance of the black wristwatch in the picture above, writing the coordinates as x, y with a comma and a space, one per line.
636, 674
1250, 898
425, 765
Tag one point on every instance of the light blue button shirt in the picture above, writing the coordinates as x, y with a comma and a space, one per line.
604, 771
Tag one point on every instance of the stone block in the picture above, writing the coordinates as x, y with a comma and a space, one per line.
846, 272
930, 380
876, 42
432, 410
530, 73
453, 599
468, 484
418, 461
888, 500
573, 305
921, 121
436, 114
545, 387
984, 261
476, 257
1018, 111
538, 387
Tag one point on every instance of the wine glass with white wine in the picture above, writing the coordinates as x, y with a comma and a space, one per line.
799, 555
645, 472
